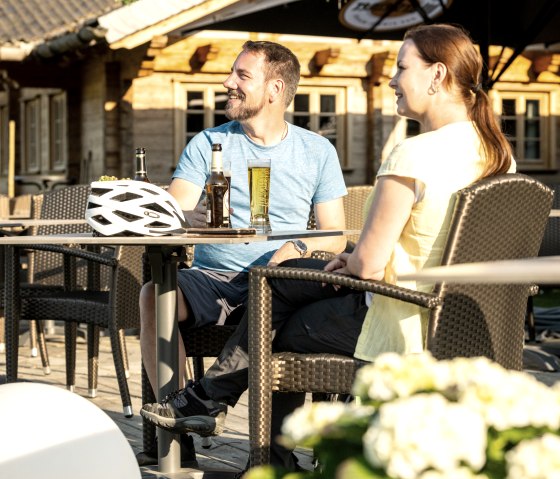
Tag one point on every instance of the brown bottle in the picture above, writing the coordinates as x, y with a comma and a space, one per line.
217, 192
141, 173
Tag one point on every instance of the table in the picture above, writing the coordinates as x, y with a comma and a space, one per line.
541, 270
163, 252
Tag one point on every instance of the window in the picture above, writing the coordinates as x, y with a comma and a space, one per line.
525, 121
317, 109
58, 131
321, 110
43, 131
4, 133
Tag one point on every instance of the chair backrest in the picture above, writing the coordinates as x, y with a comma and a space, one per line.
64, 203
354, 208
503, 217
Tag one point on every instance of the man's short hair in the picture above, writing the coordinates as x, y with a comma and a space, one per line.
282, 63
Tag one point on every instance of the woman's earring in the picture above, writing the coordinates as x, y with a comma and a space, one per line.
433, 90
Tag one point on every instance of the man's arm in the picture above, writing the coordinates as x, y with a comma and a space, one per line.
328, 216
187, 195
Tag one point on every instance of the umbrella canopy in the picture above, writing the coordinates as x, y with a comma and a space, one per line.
510, 23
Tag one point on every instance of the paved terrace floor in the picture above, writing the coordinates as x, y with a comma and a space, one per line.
227, 452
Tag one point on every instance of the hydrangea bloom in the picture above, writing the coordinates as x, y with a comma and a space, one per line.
312, 421
537, 458
412, 435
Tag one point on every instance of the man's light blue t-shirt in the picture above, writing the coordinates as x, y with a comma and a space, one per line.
304, 170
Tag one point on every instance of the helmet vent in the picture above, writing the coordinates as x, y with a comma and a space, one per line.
157, 208
126, 216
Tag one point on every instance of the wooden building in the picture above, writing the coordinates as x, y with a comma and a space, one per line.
84, 83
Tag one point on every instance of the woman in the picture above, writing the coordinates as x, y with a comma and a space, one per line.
438, 83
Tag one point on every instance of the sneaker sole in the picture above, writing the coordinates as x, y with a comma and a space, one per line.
204, 426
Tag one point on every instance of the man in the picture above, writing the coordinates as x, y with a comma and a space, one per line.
305, 171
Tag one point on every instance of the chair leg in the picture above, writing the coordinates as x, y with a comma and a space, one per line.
33, 337
122, 342
116, 339
148, 396
70, 333
93, 358
2, 333
43, 347
530, 319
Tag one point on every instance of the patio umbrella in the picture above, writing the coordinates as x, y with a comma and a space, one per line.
509, 23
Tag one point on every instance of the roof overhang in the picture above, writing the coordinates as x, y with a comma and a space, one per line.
137, 23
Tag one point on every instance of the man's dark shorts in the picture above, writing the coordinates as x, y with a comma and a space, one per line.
213, 297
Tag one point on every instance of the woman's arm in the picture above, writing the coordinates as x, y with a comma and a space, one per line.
390, 210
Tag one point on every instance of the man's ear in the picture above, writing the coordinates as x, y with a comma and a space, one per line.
276, 89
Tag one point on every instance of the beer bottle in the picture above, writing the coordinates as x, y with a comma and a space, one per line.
141, 173
217, 192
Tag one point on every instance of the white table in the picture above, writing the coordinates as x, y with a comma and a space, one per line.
163, 252
541, 270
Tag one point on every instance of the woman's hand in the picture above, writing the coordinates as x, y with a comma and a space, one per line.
338, 264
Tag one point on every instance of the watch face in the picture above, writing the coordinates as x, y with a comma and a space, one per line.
300, 246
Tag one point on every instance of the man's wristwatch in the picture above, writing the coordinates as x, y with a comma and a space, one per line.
300, 247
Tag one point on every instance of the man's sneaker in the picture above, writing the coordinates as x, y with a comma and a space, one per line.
188, 454
187, 410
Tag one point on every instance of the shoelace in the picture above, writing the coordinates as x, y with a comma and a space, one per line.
177, 393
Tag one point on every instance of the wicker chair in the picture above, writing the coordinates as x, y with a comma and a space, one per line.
354, 209
83, 299
210, 340
550, 246
499, 218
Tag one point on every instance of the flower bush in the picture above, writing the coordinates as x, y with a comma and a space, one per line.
418, 418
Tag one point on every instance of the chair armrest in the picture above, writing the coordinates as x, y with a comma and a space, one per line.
74, 252
426, 300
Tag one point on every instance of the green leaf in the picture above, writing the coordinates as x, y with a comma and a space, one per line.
358, 468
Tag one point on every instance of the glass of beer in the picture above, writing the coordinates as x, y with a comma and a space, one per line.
259, 188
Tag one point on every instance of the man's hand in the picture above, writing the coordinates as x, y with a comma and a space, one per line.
197, 217
286, 251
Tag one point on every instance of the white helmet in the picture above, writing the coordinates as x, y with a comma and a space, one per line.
132, 208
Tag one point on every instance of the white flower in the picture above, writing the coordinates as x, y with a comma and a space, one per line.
461, 473
393, 376
311, 421
537, 458
412, 435
509, 399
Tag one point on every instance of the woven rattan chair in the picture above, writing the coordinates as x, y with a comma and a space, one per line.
83, 300
354, 209
499, 218
209, 341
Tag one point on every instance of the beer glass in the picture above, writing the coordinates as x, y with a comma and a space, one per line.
259, 188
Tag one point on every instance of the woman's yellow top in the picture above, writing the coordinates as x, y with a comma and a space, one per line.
441, 162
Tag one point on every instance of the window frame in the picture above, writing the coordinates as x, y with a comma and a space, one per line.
520, 97
4, 133
42, 99
211, 90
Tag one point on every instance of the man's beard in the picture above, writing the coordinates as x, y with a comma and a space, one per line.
243, 112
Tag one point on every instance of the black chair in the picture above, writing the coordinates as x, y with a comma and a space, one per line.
105, 297
498, 218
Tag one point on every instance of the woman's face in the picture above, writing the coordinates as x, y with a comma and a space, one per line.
412, 82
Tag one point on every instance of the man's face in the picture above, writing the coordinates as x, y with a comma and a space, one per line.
246, 87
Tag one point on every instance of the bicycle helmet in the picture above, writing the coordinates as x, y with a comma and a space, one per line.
132, 208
